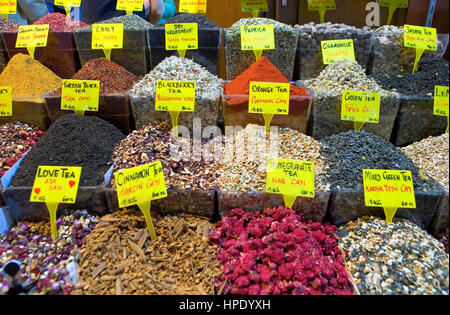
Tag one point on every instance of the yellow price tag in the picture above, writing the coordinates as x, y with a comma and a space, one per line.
181, 37
107, 37
394, 3
322, 6
54, 185
130, 5
291, 179
139, 186
193, 6
337, 50
257, 38
360, 107
175, 96
420, 37
32, 36
8, 7
441, 103
5, 101
80, 95
254, 6
390, 189
68, 4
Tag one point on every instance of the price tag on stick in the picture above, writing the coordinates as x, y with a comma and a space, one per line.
441, 102
139, 186
54, 185
257, 38
269, 99
80, 95
322, 6
254, 6
5, 101
360, 107
68, 4
390, 190
291, 179
421, 38
107, 37
337, 50
181, 37
393, 5
193, 6
130, 5
32, 36
8, 7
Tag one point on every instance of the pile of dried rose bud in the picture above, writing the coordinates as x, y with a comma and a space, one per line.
277, 253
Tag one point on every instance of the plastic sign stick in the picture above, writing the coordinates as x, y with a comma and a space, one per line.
181, 37
389, 189
441, 102
8, 7
139, 186
193, 6
257, 38
130, 5
269, 99
5, 101
54, 185
360, 107
175, 97
80, 95
107, 37
322, 6
337, 50
68, 4
291, 179
32, 36
421, 38
254, 6
393, 5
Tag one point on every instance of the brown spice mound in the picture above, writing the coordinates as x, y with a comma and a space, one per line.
120, 258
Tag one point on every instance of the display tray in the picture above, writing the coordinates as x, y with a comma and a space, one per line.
207, 54
60, 55
134, 56
115, 109
416, 121
440, 220
29, 110
310, 208
348, 205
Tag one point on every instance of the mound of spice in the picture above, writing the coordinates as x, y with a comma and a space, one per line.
131, 22
8, 25
43, 258
60, 23
261, 71
202, 21
15, 139
246, 152
154, 143
73, 140
347, 154
398, 258
180, 261
29, 77
277, 253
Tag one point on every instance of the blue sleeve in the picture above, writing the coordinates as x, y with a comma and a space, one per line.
169, 10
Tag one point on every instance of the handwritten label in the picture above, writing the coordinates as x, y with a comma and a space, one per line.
360, 106
269, 98
420, 37
316, 5
257, 37
181, 36
290, 178
71, 3
5, 101
32, 36
8, 7
130, 5
56, 184
251, 5
175, 96
394, 3
337, 50
441, 101
193, 6
80, 95
107, 36
140, 184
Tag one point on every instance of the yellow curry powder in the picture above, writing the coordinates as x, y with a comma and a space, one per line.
28, 77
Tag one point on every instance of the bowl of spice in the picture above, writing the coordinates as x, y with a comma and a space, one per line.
60, 55
236, 95
209, 42
327, 102
134, 56
190, 180
208, 89
283, 56
73, 140
114, 101
242, 170
29, 80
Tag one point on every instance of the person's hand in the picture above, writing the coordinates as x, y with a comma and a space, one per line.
146, 7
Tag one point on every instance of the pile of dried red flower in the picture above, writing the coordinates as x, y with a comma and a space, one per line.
276, 253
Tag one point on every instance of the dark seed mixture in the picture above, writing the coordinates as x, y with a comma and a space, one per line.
398, 258
348, 153
72, 140
444, 240
202, 21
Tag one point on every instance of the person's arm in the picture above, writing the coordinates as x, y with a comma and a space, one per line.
33, 9
156, 11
